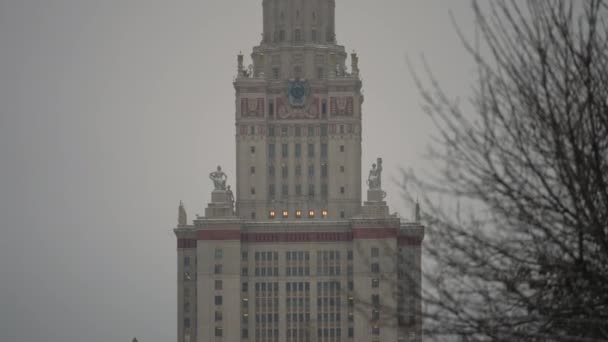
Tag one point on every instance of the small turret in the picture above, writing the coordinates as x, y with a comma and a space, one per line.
354, 62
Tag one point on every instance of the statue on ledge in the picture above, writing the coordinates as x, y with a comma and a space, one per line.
374, 180
182, 219
230, 197
219, 178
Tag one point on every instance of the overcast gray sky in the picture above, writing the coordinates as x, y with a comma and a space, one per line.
111, 111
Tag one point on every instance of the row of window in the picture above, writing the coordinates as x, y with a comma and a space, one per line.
279, 36
298, 214
298, 172
299, 271
298, 150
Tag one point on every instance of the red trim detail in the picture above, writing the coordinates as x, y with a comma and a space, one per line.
297, 237
359, 233
186, 243
374, 233
219, 235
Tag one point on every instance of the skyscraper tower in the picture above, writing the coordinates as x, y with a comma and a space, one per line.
294, 254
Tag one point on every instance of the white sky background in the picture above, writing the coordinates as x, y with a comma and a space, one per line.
111, 111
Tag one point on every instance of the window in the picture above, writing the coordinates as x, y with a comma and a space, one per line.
341, 129
252, 149
298, 150
298, 170
342, 214
187, 261
271, 150
298, 35
324, 133
218, 300
244, 271
187, 323
324, 107
298, 131
271, 170
218, 253
320, 73
376, 300
252, 170
271, 190
298, 189
351, 332
297, 72
342, 190
218, 332
311, 190
284, 190
375, 252
351, 286
271, 131
375, 283
323, 150
341, 148
244, 333
311, 150
218, 269
311, 171
323, 170
244, 256
218, 285
253, 190
252, 130
284, 131
281, 35
311, 131
284, 171
342, 168
324, 190
187, 292
275, 73
218, 316
186, 307
349, 255
270, 107
375, 267
313, 35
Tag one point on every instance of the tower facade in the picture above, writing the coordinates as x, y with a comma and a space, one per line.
293, 254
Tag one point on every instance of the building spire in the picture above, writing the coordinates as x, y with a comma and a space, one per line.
297, 22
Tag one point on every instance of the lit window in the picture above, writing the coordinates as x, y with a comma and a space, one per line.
324, 213
285, 214
271, 214
298, 213
311, 213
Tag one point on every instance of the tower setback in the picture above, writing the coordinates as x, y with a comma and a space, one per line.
293, 254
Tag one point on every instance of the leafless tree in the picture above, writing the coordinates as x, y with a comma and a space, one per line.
524, 256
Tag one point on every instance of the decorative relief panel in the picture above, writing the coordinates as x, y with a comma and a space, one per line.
252, 107
342, 106
285, 111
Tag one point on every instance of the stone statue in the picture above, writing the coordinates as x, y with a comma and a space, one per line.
374, 180
219, 178
230, 197
182, 219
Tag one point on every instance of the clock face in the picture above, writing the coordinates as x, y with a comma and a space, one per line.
297, 92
